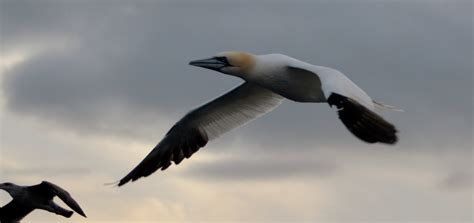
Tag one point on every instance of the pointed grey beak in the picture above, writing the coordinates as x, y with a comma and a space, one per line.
211, 63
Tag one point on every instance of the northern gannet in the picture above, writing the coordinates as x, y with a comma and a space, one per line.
269, 79
28, 198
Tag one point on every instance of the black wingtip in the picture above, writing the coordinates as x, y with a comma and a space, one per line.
127, 179
68, 214
392, 140
82, 214
362, 122
122, 182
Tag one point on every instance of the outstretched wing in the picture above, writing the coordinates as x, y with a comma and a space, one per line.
362, 122
355, 107
231, 110
50, 189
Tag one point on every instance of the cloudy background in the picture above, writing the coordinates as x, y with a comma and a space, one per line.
89, 87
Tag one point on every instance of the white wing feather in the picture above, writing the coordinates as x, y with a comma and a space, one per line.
234, 109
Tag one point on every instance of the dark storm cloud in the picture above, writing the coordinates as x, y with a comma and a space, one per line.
130, 61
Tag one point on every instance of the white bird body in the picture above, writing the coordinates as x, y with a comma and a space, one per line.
273, 71
269, 79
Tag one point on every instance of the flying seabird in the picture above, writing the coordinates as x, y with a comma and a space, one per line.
28, 198
269, 79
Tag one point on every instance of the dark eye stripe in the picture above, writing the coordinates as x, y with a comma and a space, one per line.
223, 60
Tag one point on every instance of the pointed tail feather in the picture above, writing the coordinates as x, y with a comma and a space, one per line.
384, 107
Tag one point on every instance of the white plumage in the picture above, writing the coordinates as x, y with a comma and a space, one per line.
233, 109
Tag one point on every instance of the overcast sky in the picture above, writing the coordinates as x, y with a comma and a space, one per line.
89, 87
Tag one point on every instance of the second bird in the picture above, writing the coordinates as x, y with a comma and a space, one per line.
26, 199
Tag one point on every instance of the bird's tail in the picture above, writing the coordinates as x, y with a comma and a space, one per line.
383, 107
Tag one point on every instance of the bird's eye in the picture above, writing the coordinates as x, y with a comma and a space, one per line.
223, 60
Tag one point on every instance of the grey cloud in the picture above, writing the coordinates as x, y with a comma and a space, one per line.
458, 180
260, 169
125, 74
130, 62
45, 171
